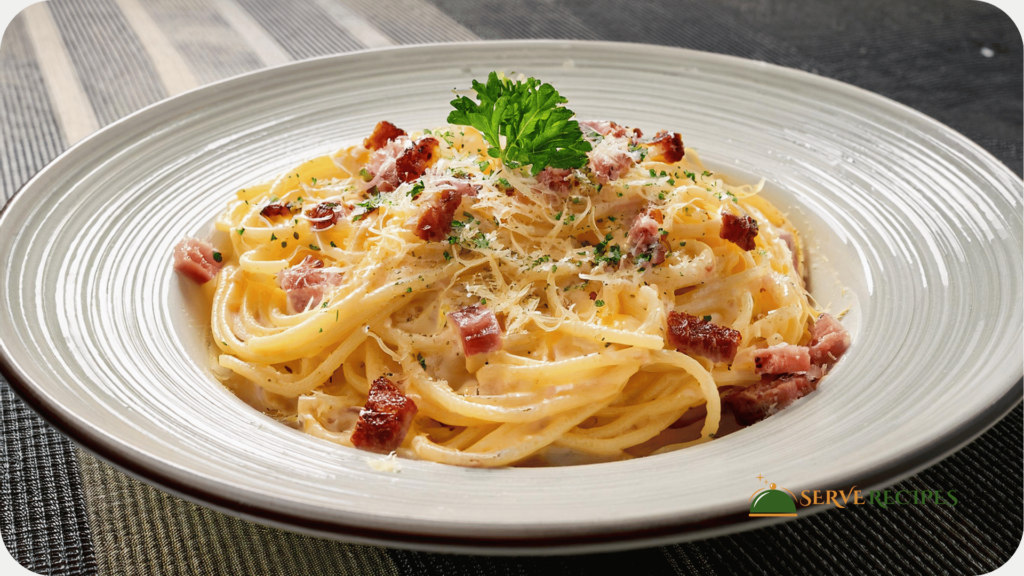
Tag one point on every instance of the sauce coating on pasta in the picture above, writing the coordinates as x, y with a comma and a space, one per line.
637, 304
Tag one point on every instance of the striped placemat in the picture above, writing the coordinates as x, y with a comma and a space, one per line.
69, 67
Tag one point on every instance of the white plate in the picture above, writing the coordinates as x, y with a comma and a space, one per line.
921, 226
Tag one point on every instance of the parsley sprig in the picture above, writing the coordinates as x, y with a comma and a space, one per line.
538, 131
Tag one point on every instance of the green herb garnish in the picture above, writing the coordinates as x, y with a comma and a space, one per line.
538, 131
417, 189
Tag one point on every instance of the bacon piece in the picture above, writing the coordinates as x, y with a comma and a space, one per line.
608, 161
196, 260
740, 230
383, 133
275, 209
608, 128
829, 340
558, 180
696, 336
436, 219
385, 418
306, 284
773, 393
414, 161
782, 359
478, 328
666, 147
644, 237
323, 216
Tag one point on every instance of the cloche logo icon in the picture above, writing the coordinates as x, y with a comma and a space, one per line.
772, 502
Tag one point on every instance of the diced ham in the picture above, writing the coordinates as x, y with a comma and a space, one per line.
396, 162
436, 219
829, 340
275, 209
782, 359
666, 147
385, 418
773, 393
478, 328
740, 230
383, 165
383, 133
608, 161
461, 185
696, 336
558, 180
323, 216
644, 238
608, 128
306, 284
197, 260
789, 372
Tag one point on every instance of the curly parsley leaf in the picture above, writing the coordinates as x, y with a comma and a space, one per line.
538, 130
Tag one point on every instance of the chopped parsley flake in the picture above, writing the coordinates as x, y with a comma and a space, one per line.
370, 205
480, 241
417, 189
707, 318
539, 261
599, 303
217, 257
419, 358
314, 247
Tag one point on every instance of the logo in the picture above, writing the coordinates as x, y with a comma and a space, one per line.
772, 502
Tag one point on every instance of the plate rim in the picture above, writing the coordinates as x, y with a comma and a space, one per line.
128, 460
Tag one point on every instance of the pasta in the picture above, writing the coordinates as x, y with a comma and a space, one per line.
579, 315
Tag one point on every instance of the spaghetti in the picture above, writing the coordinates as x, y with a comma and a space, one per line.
486, 316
